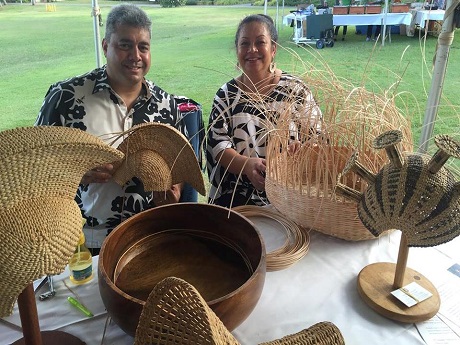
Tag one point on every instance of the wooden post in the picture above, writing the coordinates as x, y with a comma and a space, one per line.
29, 316
401, 263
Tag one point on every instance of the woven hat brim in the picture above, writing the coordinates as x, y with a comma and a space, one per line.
169, 144
47, 161
40, 222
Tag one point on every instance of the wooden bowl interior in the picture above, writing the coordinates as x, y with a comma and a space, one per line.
213, 266
217, 250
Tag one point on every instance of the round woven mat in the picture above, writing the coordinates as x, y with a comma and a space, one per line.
297, 240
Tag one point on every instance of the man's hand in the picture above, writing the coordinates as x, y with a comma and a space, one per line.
100, 174
170, 196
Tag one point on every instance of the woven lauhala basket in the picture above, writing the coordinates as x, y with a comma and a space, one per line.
316, 206
302, 186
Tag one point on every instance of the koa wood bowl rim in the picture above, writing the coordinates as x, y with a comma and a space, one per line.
255, 276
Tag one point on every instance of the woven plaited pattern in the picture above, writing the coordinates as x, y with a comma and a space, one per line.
424, 206
175, 313
302, 185
322, 333
172, 153
310, 207
40, 222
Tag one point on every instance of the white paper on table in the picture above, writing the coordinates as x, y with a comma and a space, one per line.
436, 332
449, 292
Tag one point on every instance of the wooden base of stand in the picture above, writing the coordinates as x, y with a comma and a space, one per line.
375, 283
55, 338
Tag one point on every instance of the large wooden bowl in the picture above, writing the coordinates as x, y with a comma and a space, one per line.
218, 251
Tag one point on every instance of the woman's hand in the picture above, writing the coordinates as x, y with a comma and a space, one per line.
254, 169
294, 147
100, 174
170, 196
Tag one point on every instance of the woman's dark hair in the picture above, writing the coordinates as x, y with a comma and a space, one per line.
126, 14
260, 18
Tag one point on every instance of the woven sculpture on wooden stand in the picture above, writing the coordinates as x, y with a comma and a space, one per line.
414, 193
160, 156
302, 185
175, 313
40, 223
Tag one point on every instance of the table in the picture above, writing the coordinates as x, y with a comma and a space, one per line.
423, 16
320, 287
348, 19
357, 19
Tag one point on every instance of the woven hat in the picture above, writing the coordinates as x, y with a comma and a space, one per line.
413, 193
160, 156
321, 333
40, 222
175, 313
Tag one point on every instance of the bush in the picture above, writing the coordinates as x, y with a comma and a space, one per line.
172, 3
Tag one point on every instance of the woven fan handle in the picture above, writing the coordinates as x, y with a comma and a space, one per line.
29, 316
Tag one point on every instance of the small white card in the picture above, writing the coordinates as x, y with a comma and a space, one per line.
411, 294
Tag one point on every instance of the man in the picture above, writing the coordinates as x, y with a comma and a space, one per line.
106, 102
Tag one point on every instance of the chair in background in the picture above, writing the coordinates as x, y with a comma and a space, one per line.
192, 115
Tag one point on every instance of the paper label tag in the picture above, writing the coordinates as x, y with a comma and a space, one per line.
411, 294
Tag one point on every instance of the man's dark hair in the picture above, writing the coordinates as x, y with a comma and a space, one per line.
129, 15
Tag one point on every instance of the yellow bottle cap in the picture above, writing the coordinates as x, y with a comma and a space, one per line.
82, 239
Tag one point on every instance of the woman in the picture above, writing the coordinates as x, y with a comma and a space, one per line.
241, 111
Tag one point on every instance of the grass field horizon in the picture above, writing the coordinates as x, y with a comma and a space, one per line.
193, 55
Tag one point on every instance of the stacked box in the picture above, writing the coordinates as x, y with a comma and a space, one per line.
340, 10
399, 8
373, 9
356, 9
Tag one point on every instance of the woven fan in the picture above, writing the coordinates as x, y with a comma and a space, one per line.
40, 222
160, 156
175, 313
417, 195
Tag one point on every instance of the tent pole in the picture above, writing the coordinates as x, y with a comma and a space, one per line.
439, 70
97, 39
384, 22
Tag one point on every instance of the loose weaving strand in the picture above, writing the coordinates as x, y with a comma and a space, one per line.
297, 239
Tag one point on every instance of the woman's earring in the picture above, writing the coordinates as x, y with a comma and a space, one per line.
272, 67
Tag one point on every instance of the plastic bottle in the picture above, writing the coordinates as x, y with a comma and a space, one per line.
81, 263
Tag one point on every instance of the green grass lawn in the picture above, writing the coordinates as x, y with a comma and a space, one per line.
193, 55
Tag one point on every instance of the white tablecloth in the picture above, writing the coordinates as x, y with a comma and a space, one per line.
422, 16
358, 19
320, 287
